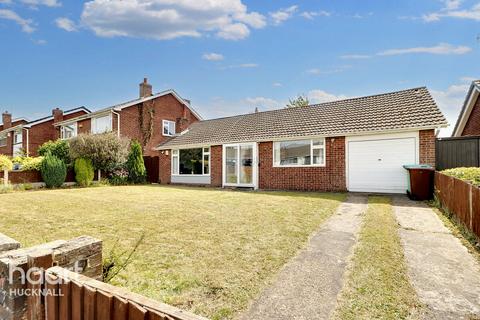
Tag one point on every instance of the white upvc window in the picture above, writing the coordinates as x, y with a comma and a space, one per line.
195, 161
68, 131
3, 140
299, 153
102, 124
17, 143
168, 128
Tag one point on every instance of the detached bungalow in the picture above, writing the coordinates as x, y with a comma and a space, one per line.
356, 145
468, 123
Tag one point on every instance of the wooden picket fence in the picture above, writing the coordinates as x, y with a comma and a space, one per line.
461, 199
71, 296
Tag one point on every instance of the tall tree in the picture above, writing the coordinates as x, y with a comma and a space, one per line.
300, 101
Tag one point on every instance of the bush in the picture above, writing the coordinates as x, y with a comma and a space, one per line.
53, 171
27, 163
119, 177
471, 175
59, 148
107, 151
84, 172
5, 163
135, 165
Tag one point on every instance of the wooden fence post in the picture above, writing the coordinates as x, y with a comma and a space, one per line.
42, 260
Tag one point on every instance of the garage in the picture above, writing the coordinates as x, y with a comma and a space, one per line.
375, 163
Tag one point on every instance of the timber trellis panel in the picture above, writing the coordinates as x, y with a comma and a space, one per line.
71, 296
461, 199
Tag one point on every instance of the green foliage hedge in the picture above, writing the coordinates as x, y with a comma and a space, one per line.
59, 148
84, 172
5, 163
28, 163
54, 171
471, 175
135, 165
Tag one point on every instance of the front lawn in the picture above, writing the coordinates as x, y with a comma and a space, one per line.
208, 251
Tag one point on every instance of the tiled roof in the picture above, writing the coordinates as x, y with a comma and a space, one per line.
412, 108
475, 85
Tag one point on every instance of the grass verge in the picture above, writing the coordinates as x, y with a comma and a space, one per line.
377, 285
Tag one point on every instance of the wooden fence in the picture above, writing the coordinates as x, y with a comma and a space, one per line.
71, 296
152, 164
457, 152
461, 199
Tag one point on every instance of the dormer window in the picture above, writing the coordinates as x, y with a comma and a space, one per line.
168, 128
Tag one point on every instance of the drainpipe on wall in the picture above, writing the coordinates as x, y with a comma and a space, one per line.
27, 149
118, 122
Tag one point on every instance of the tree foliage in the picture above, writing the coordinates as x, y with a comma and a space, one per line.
300, 101
54, 171
135, 165
84, 172
5, 163
58, 148
107, 151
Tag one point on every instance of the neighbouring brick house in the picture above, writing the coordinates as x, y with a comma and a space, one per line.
468, 123
19, 136
150, 119
356, 144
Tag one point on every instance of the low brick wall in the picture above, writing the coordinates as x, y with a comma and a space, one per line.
461, 199
32, 176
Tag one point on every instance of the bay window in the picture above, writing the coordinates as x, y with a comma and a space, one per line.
195, 161
68, 131
299, 153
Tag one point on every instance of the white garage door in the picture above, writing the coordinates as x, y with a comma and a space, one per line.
377, 165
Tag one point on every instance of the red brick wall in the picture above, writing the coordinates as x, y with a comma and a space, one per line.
165, 108
328, 178
84, 126
216, 166
165, 166
472, 127
32, 176
427, 147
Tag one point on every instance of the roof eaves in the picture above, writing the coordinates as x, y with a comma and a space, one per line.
474, 88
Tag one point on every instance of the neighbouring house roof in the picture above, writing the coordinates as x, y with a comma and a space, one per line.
470, 101
119, 107
395, 111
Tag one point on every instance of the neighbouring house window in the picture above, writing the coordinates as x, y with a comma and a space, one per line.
299, 153
3, 141
68, 131
168, 128
102, 124
17, 143
194, 161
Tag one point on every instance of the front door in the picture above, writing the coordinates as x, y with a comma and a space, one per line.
240, 165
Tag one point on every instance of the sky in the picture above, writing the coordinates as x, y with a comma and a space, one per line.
230, 56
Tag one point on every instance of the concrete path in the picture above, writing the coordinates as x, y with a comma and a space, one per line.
308, 286
445, 275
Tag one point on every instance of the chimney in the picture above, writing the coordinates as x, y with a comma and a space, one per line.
145, 89
57, 114
6, 120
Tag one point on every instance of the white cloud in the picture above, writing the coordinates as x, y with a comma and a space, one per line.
277, 84
40, 42
310, 15
264, 103
320, 96
283, 15
48, 3
317, 71
168, 19
452, 9
66, 24
450, 101
242, 66
442, 48
213, 56
25, 24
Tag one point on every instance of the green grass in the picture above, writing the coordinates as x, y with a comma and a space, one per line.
377, 285
206, 250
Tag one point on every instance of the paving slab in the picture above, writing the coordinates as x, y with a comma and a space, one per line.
307, 287
444, 274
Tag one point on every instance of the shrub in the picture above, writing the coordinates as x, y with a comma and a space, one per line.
471, 175
5, 163
119, 177
84, 172
58, 148
107, 151
53, 171
27, 163
135, 165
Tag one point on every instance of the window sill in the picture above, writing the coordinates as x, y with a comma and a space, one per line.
190, 175
301, 166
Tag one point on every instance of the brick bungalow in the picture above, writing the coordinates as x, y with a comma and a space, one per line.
468, 123
356, 144
150, 119
21, 135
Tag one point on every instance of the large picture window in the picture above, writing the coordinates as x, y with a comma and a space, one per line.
68, 131
102, 124
3, 140
194, 161
299, 153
